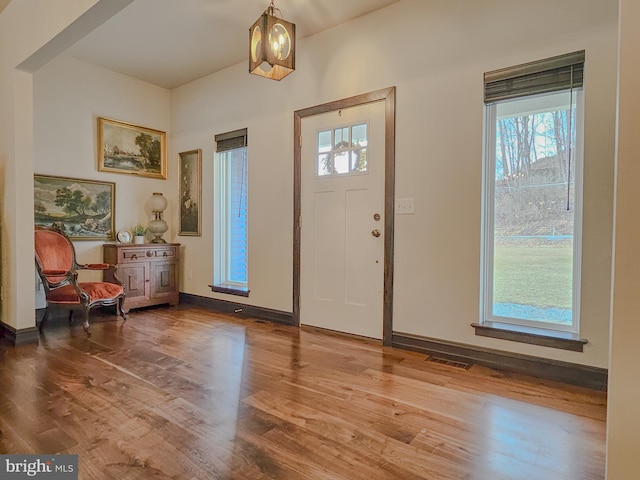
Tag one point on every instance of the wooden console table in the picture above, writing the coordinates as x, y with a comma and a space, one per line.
149, 272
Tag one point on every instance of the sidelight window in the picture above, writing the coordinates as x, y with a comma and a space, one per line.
231, 219
533, 194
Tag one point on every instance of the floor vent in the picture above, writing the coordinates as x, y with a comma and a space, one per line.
451, 363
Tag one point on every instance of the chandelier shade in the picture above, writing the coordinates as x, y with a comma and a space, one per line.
272, 42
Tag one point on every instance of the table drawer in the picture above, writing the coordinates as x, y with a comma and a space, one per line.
147, 252
169, 252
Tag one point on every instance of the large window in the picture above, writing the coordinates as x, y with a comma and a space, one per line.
230, 222
532, 194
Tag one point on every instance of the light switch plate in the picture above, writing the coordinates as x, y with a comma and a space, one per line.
405, 206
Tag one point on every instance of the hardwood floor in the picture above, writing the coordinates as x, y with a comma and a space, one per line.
181, 393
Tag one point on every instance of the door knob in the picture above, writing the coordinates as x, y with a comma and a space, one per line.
375, 232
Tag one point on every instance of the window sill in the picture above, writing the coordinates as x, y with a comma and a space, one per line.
533, 336
230, 290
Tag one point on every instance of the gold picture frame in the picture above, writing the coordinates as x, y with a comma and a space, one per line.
190, 174
127, 148
83, 209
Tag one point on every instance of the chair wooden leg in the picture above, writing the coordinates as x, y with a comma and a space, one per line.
85, 323
120, 308
44, 319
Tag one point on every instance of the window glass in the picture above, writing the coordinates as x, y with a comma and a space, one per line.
324, 164
237, 217
341, 162
342, 151
359, 160
341, 137
532, 233
359, 135
324, 141
231, 219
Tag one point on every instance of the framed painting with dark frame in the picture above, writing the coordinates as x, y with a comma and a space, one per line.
127, 148
190, 170
83, 209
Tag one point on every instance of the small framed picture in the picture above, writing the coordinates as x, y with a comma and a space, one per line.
127, 148
190, 171
83, 209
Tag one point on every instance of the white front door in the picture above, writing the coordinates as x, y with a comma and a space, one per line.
342, 224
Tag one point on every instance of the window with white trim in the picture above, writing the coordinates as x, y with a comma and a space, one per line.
230, 213
532, 206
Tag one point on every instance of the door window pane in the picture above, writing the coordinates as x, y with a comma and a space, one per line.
324, 141
359, 135
359, 160
341, 162
324, 164
342, 151
341, 137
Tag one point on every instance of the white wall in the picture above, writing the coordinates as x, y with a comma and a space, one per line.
435, 53
623, 420
31, 31
66, 144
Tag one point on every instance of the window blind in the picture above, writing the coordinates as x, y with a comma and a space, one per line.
237, 217
542, 76
231, 140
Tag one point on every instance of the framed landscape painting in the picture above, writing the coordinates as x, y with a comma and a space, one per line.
190, 170
83, 209
126, 148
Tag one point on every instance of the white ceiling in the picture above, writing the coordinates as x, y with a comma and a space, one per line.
172, 42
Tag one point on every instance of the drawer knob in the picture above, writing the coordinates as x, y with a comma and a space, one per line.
134, 256
149, 253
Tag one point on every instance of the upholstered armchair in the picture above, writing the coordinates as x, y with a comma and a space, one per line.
57, 267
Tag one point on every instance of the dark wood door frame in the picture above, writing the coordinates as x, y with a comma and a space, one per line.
388, 96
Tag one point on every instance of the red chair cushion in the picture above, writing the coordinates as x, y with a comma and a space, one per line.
96, 290
98, 266
55, 254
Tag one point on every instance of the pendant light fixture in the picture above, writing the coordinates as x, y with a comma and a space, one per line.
272, 45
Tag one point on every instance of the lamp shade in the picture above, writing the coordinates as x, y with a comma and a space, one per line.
157, 202
272, 43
